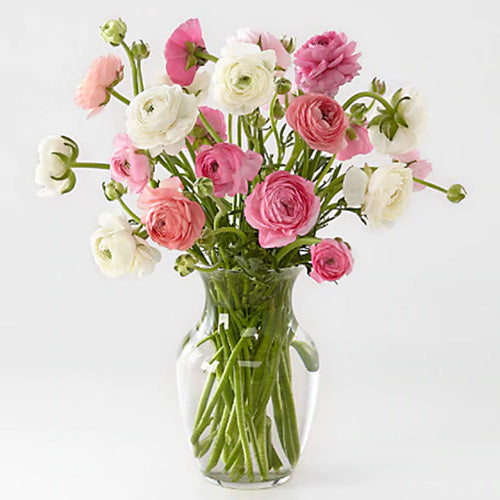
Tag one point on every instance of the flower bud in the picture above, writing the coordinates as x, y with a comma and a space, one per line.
256, 119
278, 110
113, 190
114, 31
283, 86
378, 86
140, 50
456, 193
204, 187
207, 239
289, 43
185, 264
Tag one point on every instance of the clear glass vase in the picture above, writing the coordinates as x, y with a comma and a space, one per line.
247, 378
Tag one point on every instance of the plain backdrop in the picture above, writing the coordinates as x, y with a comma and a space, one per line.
409, 403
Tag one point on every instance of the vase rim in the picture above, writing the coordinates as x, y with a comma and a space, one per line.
286, 272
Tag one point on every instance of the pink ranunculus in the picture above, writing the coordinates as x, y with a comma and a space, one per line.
171, 220
421, 168
199, 135
266, 41
325, 62
127, 165
91, 93
360, 145
228, 166
331, 259
282, 207
179, 47
319, 120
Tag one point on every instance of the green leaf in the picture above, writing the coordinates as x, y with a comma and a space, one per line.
308, 354
396, 97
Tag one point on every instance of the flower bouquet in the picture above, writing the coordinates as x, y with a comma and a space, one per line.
243, 192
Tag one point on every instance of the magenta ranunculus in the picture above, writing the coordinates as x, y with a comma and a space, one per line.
172, 220
199, 135
359, 145
179, 52
282, 207
228, 166
325, 62
331, 259
105, 72
319, 120
421, 168
127, 165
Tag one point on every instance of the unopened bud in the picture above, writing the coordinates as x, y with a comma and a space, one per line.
456, 193
207, 239
278, 110
283, 86
140, 50
256, 119
204, 187
114, 31
114, 190
289, 43
185, 264
378, 86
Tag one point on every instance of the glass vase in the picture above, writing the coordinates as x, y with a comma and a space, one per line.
247, 378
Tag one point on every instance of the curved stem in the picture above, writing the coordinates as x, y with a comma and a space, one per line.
133, 67
118, 96
209, 128
372, 95
127, 209
307, 240
233, 230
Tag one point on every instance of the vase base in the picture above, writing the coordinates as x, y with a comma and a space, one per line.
240, 485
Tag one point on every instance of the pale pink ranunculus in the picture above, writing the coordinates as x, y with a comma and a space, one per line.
91, 93
228, 166
200, 135
331, 259
421, 168
319, 120
281, 208
172, 220
177, 52
360, 145
325, 62
128, 165
266, 41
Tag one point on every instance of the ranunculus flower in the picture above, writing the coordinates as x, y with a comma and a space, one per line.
406, 138
266, 41
199, 87
172, 220
50, 165
282, 207
244, 77
105, 72
200, 135
360, 145
421, 168
161, 118
319, 120
354, 186
128, 165
331, 259
325, 62
229, 168
117, 251
179, 51
388, 194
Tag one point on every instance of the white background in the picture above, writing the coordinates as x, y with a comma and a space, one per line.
409, 403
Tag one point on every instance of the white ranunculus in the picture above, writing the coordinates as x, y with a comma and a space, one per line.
406, 139
160, 118
388, 194
117, 251
50, 165
199, 87
354, 186
243, 77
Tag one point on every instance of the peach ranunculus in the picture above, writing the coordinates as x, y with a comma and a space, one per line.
320, 121
172, 220
105, 72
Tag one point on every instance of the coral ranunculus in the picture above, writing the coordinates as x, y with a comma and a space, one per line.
359, 145
229, 168
320, 121
331, 259
325, 62
178, 52
172, 220
282, 207
104, 72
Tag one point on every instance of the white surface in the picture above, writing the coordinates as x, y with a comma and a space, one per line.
409, 398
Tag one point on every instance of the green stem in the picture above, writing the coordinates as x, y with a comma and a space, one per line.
201, 54
233, 230
372, 95
209, 128
127, 209
140, 81
324, 171
430, 184
295, 153
117, 95
230, 127
133, 67
102, 166
275, 129
306, 240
